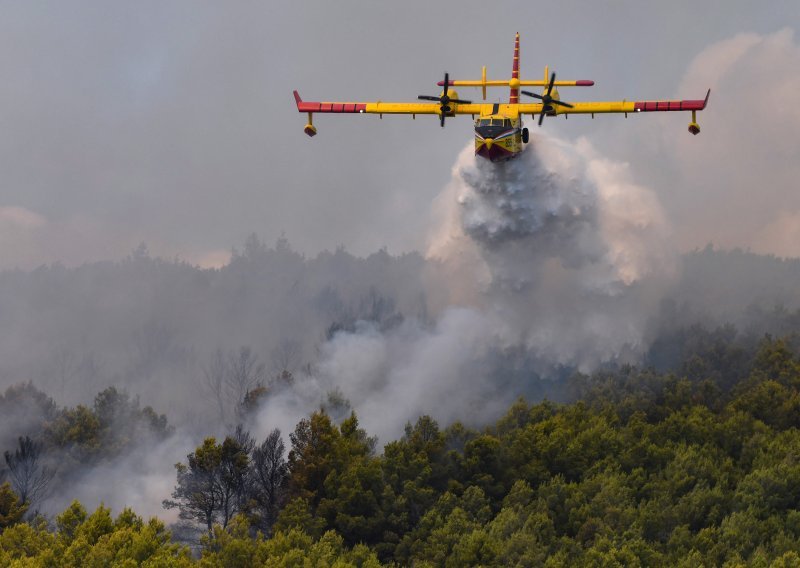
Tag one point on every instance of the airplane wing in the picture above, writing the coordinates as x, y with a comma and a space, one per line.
380, 107
620, 106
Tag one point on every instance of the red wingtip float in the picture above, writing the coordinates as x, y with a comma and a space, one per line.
499, 132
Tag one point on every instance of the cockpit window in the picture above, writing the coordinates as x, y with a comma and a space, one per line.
491, 127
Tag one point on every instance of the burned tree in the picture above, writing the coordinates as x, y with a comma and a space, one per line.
29, 477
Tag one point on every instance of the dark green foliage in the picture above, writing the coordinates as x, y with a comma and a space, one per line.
12, 507
112, 427
645, 469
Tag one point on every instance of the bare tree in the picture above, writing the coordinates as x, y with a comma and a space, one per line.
153, 345
285, 360
269, 471
29, 478
245, 372
214, 382
65, 367
229, 378
244, 479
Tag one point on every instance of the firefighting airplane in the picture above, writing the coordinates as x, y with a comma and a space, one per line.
499, 133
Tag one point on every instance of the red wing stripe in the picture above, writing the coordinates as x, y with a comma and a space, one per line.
648, 106
305, 106
694, 105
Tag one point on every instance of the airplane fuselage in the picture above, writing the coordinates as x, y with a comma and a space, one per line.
499, 137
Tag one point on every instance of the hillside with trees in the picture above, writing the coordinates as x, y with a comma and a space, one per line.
685, 458
697, 466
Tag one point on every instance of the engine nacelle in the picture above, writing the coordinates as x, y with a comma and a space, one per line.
450, 106
451, 92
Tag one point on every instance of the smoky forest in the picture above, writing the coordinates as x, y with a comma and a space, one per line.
155, 413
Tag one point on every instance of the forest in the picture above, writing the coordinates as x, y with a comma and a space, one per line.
686, 456
686, 468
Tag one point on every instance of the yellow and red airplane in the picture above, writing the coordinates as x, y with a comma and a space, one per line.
499, 133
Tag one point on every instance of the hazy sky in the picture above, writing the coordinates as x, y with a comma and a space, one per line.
173, 123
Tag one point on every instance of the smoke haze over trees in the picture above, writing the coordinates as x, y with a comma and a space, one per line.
555, 263
308, 310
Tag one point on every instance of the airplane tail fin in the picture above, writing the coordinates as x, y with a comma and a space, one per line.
514, 83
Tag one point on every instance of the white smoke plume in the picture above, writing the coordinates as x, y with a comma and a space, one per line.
576, 253
557, 254
141, 479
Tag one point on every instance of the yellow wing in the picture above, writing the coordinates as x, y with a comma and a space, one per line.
380, 107
420, 108
620, 106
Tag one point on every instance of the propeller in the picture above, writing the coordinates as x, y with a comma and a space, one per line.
443, 100
547, 100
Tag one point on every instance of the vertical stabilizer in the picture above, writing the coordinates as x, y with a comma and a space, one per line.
514, 96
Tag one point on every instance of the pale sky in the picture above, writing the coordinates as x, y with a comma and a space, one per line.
173, 123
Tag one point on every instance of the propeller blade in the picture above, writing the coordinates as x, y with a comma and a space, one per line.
446, 82
441, 117
547, 99
541, 116
552, 82
428, 98
461, 101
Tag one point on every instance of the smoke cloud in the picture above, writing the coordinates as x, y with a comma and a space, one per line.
577, 252
557, 254
738, 186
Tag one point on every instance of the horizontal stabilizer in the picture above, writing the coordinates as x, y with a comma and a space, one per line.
507, 83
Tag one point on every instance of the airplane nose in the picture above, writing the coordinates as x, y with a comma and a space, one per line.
488, 142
